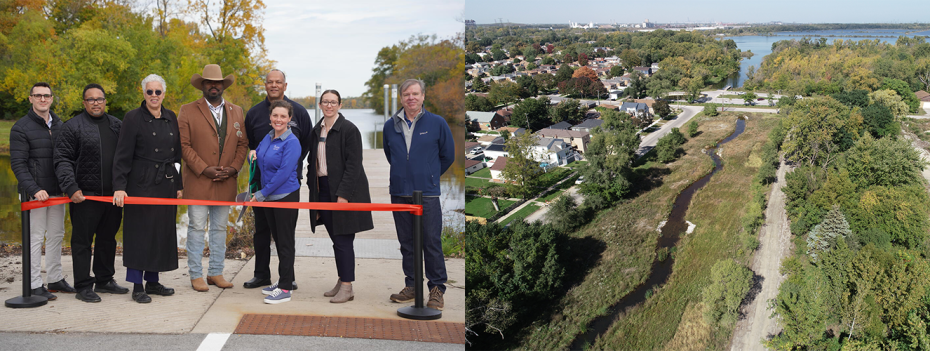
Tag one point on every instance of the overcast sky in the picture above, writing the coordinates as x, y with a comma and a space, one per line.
665, 11
335, 42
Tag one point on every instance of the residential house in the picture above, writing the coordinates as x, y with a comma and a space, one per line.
616, 94
636, 109
626, 79
514, 131
612, 59
490, 139
494, 151
575, 138
588, 125
487, 120
646, 71
648, 102
470, 145
552, 152
472, 166
498, 167
654, 67
561, 125
924, 98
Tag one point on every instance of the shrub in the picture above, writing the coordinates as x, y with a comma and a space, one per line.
729, 284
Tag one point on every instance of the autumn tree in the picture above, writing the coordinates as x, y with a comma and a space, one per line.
586, 72
812, 126
583, 59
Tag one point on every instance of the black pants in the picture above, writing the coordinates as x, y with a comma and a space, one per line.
343, 245
262, 242
283, 222
93, 223
434, 263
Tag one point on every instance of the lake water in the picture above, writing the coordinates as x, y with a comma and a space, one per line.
762, 45
369, 124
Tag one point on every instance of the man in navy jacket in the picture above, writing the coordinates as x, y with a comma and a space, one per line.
419, 147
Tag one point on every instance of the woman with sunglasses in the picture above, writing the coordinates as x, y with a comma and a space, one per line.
148, 148
335, 174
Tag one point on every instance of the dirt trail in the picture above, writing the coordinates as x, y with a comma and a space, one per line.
775, 246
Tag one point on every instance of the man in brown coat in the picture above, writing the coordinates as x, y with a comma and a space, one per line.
213, 146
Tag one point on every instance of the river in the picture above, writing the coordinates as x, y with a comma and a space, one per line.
762, 45
662, 265
369, 124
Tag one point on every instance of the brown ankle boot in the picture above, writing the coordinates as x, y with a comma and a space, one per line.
344, 294
199, 285
335, 290
219, 281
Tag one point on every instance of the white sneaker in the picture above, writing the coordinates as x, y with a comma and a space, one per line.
278, 296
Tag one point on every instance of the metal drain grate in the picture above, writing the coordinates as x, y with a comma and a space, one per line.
350, 327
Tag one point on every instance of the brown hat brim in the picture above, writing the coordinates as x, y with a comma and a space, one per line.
197, 81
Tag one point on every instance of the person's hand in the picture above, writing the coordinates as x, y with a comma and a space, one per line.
252, 155
180, 193
41, 195
77, 197
341, 200
118, 198
212, 172
230, 172
254, 199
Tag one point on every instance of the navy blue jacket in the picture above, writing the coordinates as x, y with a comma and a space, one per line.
432, 151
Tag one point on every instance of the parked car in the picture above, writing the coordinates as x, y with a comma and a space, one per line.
579, 180
760, 99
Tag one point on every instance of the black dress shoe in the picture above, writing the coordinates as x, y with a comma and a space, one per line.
111, 288
256, 283
157, 289
87, 295
41, 291
61, 286
141, 297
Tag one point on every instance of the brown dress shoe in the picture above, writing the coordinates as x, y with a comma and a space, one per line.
344, 294
199, 285
435, 299
335, 290
405, 295
219, 281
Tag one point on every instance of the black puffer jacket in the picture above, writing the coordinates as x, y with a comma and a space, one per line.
32, 145
77, 155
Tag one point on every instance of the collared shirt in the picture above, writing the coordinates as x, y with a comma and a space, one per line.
48, 122
409, 126
321, 170
217, 111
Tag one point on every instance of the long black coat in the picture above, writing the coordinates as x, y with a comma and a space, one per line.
144, 165
347, 177
32, 147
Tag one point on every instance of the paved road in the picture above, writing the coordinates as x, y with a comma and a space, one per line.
775, 246
649, 141
540, 215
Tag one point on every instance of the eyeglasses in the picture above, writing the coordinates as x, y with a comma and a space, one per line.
329, 103
150, 92
42, 96
95, 101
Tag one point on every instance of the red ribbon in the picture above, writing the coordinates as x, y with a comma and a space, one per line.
331, 206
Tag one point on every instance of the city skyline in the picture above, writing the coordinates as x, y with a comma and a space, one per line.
678, 11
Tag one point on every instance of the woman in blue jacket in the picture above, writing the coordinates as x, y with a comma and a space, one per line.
277, 156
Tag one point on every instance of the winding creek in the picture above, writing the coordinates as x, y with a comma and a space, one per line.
662, 264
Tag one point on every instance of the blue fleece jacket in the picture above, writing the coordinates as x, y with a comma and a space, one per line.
277, 160
432, 151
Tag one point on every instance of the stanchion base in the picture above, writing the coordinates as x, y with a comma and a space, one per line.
26, 302
422, 313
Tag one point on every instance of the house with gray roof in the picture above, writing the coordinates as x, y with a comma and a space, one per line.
588, 125
636, 109
576, 139
561, 125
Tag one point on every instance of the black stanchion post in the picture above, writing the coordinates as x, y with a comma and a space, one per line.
27, 300
418, 310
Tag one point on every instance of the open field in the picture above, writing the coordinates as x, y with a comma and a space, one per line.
716, 210
628, 236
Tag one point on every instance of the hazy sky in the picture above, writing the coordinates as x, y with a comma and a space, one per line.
664, 11
335, 42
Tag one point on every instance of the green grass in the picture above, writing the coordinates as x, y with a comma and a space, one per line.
482, 173
552, 177
629, 232
482, 206
476, 182
5, 127
577, 164
552, 196
522, 213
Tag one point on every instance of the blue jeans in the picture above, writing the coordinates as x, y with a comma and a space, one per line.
434, 263
219, 216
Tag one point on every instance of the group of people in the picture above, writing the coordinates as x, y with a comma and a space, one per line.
198, 154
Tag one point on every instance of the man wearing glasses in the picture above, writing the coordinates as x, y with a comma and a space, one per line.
32, 144
257, 125
84, 165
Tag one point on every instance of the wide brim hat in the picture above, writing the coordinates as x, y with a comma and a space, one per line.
212, 72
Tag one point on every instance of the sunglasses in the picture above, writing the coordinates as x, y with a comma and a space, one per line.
150, 92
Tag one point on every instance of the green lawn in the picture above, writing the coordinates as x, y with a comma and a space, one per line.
522, 213
483, 173
476, 182
554, 176
482, 206
577, 164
